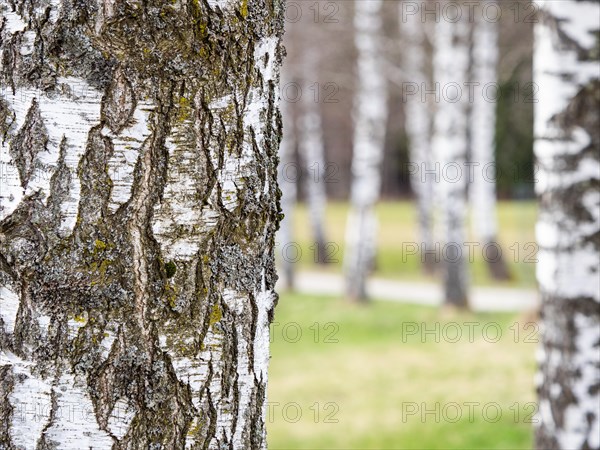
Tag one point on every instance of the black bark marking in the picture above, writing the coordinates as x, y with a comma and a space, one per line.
29, 142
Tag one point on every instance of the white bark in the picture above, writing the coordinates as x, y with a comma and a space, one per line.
483, 129
418, 126
138, 207
567, 125
312, 148
370, 114
482, 123
449, 147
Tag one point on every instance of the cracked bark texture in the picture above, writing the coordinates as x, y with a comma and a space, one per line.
567, 149
138, 207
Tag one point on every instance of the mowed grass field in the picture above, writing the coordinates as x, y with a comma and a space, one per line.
397, 223
398, 376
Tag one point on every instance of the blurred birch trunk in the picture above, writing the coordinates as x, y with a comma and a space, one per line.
449, 148
567, 149
482, 123
370, 114
288, 173
312, 150
418, 130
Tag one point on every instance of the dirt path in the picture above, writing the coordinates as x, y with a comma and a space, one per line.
482, 298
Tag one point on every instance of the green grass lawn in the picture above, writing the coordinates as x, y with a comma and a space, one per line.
398, 226
348, 376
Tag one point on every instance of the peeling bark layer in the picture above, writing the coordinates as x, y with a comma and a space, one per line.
567, 149
138, 207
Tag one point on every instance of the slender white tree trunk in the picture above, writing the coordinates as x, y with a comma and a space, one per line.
482, 124
567, 149
312, 149
138, 207
449, 147
288, 175
418, 129
370, 114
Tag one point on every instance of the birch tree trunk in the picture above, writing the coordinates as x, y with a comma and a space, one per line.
482, 123
567, 148
449, 147
418, 129
312, 150
137, 218
370, 113
288, 175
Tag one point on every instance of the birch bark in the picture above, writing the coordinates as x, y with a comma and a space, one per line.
482, 122
370, 113
312, 149
418, 130
138, 207
288, 175
449, 148
567, 149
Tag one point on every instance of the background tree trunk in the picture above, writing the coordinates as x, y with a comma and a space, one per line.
567, 126
418, 130
449, 144
312, 151
288, 174
482, 123
370, 114
137, 221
